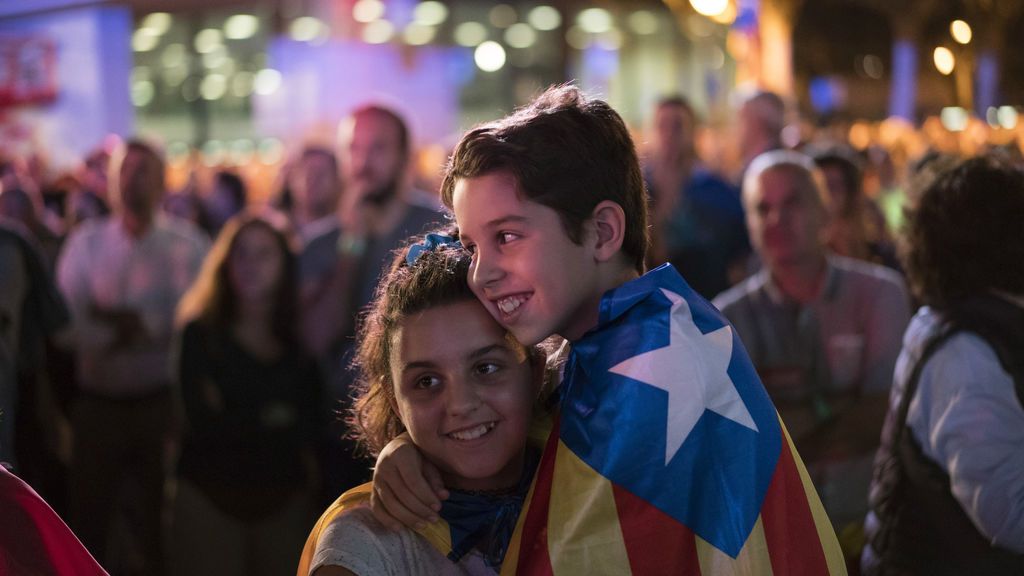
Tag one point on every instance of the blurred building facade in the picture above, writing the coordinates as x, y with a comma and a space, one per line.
239, 82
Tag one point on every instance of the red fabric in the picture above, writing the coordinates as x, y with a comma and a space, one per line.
655, 542
534, 558
33, 539
787, 519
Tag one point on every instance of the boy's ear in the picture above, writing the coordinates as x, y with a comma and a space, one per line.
609, 221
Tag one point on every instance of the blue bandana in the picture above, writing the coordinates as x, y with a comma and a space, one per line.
486, 521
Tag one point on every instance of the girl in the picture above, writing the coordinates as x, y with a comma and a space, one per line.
251, 400
435, 365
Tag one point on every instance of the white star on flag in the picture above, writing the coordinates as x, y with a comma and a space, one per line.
692, 369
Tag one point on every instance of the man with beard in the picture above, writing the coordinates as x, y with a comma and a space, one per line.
340, 266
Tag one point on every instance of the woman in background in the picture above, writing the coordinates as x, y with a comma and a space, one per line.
250, 399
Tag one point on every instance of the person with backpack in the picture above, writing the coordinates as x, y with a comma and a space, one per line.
947, 494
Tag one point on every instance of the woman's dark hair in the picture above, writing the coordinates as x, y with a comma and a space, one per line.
212, 300
966, 234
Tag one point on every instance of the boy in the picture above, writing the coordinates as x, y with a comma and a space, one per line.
666, 456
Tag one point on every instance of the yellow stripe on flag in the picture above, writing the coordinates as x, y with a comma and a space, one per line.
438, 534
584, 536
355, 497
753, 559
827, 536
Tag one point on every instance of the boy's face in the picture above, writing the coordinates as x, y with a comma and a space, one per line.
465, 399
530, 276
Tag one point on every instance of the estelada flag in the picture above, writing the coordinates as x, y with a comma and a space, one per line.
667, 456
438, 533
33, 538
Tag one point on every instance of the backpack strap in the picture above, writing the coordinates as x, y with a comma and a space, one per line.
911, 388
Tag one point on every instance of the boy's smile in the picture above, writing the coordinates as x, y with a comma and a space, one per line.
529, 274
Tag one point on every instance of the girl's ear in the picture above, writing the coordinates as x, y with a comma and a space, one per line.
609, 222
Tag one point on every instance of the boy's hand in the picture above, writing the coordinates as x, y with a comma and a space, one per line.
407, 490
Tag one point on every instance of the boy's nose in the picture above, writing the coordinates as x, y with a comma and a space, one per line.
485, 271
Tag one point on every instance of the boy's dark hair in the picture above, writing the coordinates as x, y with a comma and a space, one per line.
566, 152
965, 235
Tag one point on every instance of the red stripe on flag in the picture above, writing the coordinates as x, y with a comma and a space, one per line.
655, 542
789, 529
534, 557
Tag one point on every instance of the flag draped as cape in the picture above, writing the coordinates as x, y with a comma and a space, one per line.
667, 456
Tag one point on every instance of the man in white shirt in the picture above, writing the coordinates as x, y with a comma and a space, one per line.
122, 277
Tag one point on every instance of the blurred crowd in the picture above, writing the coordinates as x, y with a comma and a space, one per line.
173, 360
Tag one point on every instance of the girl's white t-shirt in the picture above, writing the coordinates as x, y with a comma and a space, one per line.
356, 541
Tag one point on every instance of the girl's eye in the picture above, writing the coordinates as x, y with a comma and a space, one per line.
506, 237
426, 382
486, 368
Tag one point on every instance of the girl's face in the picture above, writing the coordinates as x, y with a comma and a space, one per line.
464, 391
256, 264
526, 270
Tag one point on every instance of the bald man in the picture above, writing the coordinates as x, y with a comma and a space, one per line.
823, 331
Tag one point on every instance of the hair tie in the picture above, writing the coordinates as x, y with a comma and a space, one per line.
430, 242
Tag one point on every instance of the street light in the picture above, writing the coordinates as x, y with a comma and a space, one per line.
944, 60
709, 7
961, 31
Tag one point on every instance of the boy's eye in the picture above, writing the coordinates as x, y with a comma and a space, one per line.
506, 237
471, 248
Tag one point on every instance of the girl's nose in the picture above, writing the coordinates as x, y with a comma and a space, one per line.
462, 399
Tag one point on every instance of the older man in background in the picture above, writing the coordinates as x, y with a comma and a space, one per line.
823, 332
